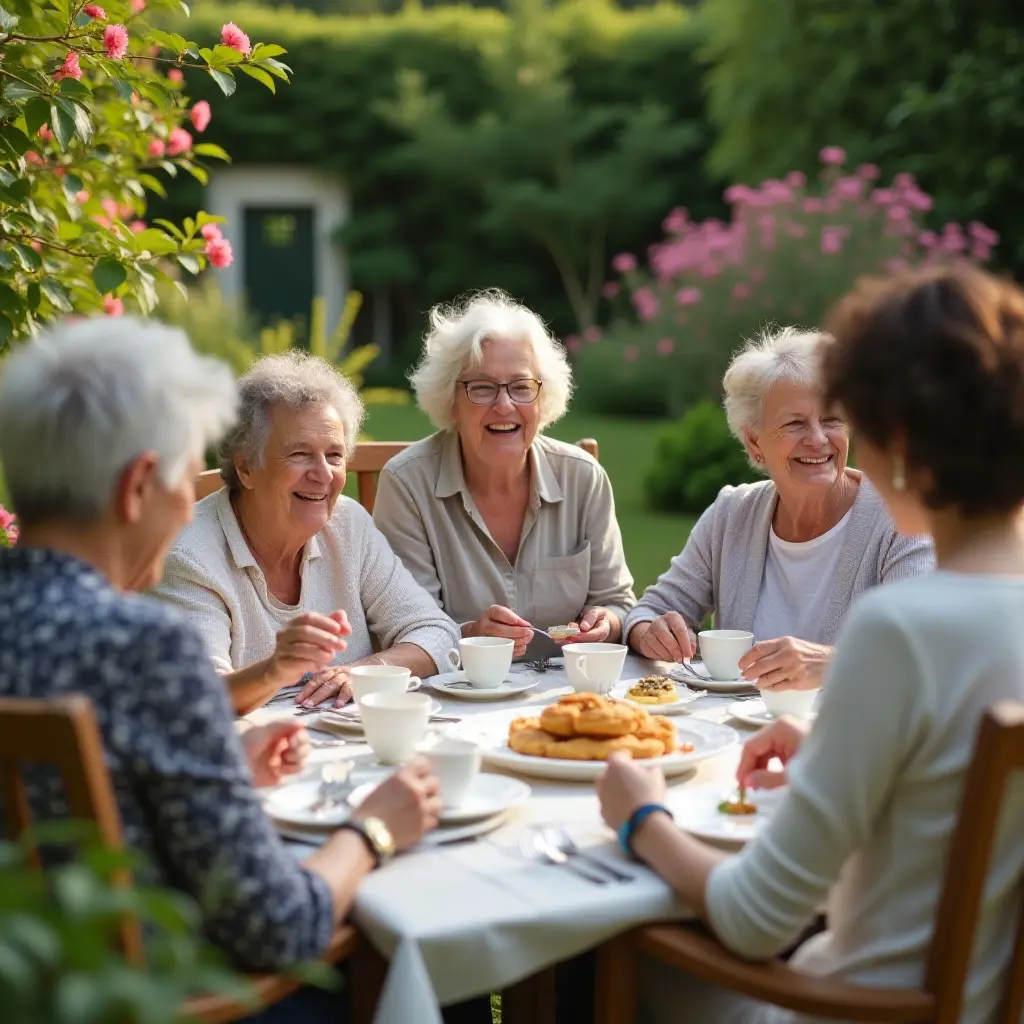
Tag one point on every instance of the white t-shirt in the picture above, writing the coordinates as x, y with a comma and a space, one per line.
797, 583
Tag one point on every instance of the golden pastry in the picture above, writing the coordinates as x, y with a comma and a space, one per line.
560, 719
653, 690
563, 632
534, 742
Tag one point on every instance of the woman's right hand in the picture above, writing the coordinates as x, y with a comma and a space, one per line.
666, 638
307, 644
781, 739
409, 803
503, 622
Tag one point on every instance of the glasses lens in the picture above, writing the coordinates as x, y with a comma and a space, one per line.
482, 392
523, 391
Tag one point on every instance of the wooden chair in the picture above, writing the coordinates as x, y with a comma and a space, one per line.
63, 733
998, 752
366, 463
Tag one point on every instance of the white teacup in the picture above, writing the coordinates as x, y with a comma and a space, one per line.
797, 703
394, 724
456, 763
593, 668
721, 650
485, 660
367, 679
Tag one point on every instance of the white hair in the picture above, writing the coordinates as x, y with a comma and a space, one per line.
454, 344
786, 355
294, 379
79, 403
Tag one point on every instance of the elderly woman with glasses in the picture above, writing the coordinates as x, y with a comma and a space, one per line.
288, 582
506, 528
784, 558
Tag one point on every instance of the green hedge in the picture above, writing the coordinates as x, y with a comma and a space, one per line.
422, 240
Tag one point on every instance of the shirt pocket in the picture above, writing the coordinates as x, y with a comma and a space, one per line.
561, 588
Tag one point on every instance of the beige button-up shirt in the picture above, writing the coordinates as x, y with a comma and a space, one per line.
570, 554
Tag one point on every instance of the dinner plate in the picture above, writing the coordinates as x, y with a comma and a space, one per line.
678, 674
695, 809
754, 712
685, 697
708, 738
488, 795
290, 802
348, 719
512, 687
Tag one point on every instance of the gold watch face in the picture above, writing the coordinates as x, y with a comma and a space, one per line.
380, 836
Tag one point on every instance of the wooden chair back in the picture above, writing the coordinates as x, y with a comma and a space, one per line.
367, 461
62, 733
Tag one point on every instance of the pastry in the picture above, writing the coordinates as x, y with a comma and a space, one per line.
563, 632
653, 690
587, 714
659, 729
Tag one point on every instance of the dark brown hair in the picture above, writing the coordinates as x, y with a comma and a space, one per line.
936, 357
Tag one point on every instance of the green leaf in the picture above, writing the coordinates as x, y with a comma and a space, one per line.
5, 177
6, 260
108, 275
262, 50
10, 300
172, 228
155, 241
56, 293
185, 7
7, 21
225, 80
226, 55
32, 295
206, 54
37, 113
17, 91
17, 192
73, 184
276, 68
27, 257
14, 140
80, 117
189, 262
211, 149
259, 74
68, 231
124, 89
201, 174
203, 218
146, 295
153, 185
169, 168
62, 124
6, 331
168, 40
72, 87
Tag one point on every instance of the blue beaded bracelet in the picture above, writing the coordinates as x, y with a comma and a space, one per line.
635, 820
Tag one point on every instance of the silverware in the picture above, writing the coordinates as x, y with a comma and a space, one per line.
534, 845
324, 744
354, 719
686, 667
333, 786
561, 840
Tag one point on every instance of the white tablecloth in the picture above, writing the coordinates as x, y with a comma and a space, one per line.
467, 919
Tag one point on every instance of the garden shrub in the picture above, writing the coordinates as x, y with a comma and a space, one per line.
693, 460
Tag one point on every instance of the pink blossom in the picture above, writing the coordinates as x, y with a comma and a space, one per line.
982, 233
572, 343
115, 39
675, 222
34, 158
848, 188
624, 263
813, 205
980, 252
109, 207
98, 218
137, 226
766, 222
740, 291
113, 306
36, 244
200, 115
59, 171
610, 289
210, 232
927, 238
592, 334
95, 11
831, 240
8, 527
665, 346
231, 35
81, 197
178, 142
156, 147
737, 194
631, 354
796, 179
833, 156
45, 134
953, 239
898, 214
218, 251
869, 172
69, 69
138, 6
883, 196
646, 303
688, 296
176, 75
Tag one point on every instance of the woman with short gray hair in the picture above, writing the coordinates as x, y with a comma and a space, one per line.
782, 558
287, 581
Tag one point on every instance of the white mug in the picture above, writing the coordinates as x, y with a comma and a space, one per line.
485, 660
394, 724
593, 668
721, 650
367, 679
797, 703
456, 763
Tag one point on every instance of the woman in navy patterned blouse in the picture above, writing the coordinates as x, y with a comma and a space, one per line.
102, 428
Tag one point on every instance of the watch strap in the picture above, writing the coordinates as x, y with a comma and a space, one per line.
628, 828
355, 826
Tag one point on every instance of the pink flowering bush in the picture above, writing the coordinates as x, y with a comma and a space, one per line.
8, 529
787, 252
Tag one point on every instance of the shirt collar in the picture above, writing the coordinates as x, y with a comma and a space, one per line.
451, 480
240, 551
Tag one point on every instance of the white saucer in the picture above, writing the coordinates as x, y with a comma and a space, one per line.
754, 712
488, 795
695, 809
291, 803
681, 707
341, 722
512, 687
679, 675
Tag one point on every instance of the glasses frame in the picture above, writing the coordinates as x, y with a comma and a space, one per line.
507, 385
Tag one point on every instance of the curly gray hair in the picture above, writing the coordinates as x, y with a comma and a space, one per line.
294, 379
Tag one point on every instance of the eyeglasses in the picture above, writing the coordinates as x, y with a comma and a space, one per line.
523, 391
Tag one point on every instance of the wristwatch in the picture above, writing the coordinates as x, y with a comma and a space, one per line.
377, 837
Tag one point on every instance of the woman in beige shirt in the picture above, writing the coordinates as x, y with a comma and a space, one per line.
288, 582
506, 528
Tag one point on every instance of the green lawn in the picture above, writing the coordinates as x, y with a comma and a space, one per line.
651, 538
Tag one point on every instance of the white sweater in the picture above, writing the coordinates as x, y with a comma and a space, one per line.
874, 794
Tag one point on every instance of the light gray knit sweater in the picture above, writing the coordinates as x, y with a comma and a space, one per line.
722, 565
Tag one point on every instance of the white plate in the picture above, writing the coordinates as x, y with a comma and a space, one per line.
754, 712
440, 835
512, 687
708, 738
680, 707
488, 795
696, 811
291, 803
343, 723
678, 674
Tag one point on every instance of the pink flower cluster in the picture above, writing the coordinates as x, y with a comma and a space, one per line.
8, 529
200, 115
218, 248
231, 35
178, 141
115, 41
69, 69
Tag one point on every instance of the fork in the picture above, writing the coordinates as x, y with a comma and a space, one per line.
535, 846
559, 837
333, 785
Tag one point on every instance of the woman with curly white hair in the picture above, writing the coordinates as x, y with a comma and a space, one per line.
505, 527
782, 558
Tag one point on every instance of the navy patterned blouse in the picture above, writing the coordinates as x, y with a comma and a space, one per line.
182, 784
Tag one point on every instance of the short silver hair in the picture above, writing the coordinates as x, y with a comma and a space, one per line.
81, 401
789, 354
294, 379
454, 344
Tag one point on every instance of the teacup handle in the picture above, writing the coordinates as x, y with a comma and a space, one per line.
454, 659
414, 683
579, 662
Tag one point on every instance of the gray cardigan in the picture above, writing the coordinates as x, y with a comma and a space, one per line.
722, 565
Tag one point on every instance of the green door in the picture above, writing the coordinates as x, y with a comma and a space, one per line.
279, 263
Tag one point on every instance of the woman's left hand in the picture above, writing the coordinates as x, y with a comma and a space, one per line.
595, 628
275, 750
786, 664
625, 786
325, 684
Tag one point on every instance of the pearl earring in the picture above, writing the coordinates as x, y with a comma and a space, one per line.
899, 474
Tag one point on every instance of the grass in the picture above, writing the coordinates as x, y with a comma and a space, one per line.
650, 538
